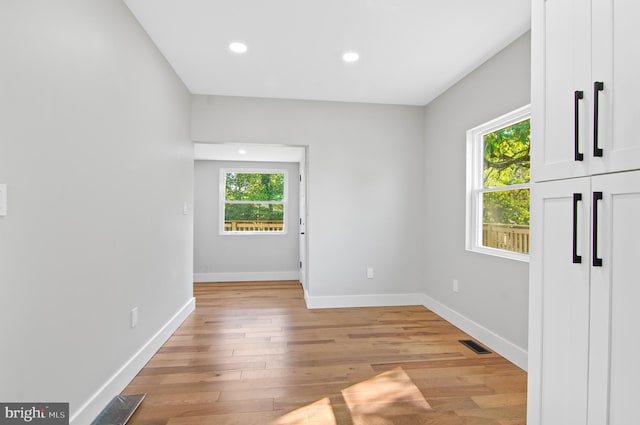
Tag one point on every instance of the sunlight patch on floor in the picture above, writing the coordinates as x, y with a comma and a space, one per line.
319, 412
390, 394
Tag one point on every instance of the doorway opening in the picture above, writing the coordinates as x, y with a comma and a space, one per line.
223, 256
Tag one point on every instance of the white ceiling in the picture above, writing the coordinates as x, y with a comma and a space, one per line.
410, 50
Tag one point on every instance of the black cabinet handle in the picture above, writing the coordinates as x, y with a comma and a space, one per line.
577, 259
597, 262
598, 86
577, 96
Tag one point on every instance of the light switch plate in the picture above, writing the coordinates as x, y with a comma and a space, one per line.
3, 200
134, 317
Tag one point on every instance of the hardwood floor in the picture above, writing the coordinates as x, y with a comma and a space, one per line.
252, 353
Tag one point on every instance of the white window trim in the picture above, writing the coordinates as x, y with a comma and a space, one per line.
475, 149
222, 199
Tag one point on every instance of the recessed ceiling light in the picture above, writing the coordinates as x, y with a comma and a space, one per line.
238, 47
351, 57
242, 152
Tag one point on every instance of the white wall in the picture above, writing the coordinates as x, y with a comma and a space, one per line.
365, 184
95, 149
219, 258
493, 291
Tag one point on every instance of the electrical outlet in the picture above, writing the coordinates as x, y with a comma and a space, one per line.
134, 317
369, 272
456, 287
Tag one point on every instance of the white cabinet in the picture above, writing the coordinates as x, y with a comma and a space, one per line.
614, 369
583, 348
585, 87
616, 63
561, 60
585, 213
559, 304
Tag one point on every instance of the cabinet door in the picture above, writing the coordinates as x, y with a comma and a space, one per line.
616, 63
561, 60
559, 303
615, 291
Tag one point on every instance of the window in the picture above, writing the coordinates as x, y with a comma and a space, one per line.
498, 190
253, 201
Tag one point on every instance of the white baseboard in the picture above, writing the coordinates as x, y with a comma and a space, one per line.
370, 300
245, 276
505, 348
112, 387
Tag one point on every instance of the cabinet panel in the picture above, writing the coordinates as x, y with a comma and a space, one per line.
559, 299
614, 366
562, 54
615, 62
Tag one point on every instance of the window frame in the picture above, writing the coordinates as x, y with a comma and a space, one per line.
475, 189
223, 201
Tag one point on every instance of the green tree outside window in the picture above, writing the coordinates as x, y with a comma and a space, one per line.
507, 158
254, 202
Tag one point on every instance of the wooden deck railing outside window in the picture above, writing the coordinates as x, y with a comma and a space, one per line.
253, 226
510, 237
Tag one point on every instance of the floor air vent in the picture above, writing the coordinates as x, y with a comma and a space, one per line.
474, 346
119, 410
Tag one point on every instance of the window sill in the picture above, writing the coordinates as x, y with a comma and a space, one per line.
500, 253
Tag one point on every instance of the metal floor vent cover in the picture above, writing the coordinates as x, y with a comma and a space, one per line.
474, 346
119, 410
